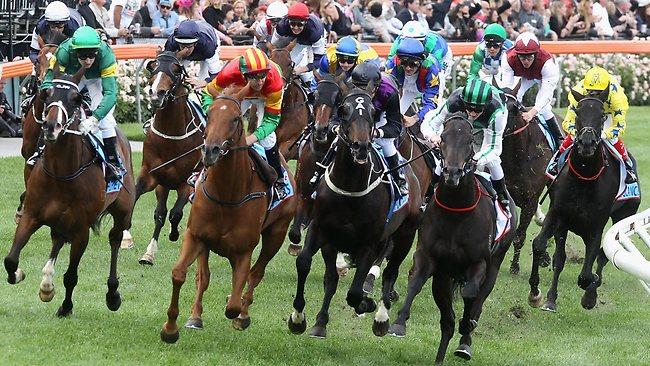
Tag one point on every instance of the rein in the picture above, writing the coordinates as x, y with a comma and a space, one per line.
246, 198
520, 129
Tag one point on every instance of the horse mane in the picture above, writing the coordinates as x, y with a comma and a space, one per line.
236, 91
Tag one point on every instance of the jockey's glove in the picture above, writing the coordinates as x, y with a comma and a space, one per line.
88, 125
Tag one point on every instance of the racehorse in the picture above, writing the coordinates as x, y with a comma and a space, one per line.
456, 241
66, 191
583, 199
525, 155
295, 106
231, 191
171, 149
327, 97
351, 215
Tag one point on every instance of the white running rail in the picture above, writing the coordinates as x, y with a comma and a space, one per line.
620, 249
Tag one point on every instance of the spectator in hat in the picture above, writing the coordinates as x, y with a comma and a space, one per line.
168, 19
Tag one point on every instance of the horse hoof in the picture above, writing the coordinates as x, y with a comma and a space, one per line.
463, 351
232, 313
318, 332
294, 249
126, 243
397, 330
19, 277
169, 337
113, 301
194, 323
588, 301
535, 300
64, 311
393, 296
380, 328
367, 305
295, 237
297, 328
545, 260
369, 284
539, 221
173, 235
514, 269
146, 260
240, 323
549, 306
46, 296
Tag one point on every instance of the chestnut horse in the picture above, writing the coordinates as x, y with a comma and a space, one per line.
66, 191
295, 108
456, 241
171, 149
230, 194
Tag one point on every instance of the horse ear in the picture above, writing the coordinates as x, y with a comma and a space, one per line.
270, 46
41, 42
241, 93
151, 65
292, 44
577, 96
76, 78
515, 91
317, 76
604, 95
75, 99
495, 83
370, 87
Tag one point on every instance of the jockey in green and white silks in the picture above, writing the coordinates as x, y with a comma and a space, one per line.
486, 109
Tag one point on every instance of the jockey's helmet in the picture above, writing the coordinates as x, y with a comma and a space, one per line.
414, 29
476, 94
348, 46
254, 61
57, 12
526, 44
410, 48
365, 73
85, 37
186, 32
495, 32
276, 10
596, 79
298, 11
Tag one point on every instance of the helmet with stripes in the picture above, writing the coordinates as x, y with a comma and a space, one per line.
476, 94
253, 61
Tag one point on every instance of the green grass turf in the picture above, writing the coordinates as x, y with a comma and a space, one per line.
509, 332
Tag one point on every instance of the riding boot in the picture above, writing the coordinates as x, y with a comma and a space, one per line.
399, 177
114, 166
430, 191
555, 131
502, 194
321, 166
40, 145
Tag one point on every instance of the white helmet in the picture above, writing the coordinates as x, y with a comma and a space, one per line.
276, 10
57, 11
414, 29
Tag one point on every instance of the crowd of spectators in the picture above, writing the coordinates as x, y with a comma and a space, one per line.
379, 20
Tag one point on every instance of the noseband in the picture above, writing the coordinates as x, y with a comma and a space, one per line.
63, 111
228, 145
588, 129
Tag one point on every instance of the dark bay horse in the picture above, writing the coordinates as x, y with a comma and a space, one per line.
295, 108
66, 191
583, 199
455, 242
231, 193
351, 215
171, 149
327, 97
525, 155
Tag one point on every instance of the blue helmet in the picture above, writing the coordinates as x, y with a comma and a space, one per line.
410, 48
348, 46
187, 32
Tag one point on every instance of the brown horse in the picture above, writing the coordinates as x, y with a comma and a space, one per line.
171, 149
525, 155
66, 191
295, 108
231, 191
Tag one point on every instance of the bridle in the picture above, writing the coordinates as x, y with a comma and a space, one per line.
588, 129
469, 165
64, 118
360, 98
178, 78
228, 144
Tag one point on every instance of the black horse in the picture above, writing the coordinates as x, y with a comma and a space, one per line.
456, 241
583, 198
350, 215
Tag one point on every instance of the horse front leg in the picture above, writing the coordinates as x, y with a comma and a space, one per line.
330, 283
587, 280
241, 266
559, 258
527, 212
190, 250
365, 256
176, 213
296, 226
46, 289
27, 226
539, 247
159, 220
441, 289
202, 279
70, 278
470, 293
113, 298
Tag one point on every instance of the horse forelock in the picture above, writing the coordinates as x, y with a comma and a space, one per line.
457, 136
589, 113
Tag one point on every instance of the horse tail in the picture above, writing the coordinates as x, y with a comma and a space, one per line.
96, 227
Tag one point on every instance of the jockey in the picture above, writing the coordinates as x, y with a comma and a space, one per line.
534, 65
435, 47
344, 56
200, 41
387, 118
264, 29
414, 78
485, 107
309, 33
490, 54
254, 68
596, 80
86, 49
58, 18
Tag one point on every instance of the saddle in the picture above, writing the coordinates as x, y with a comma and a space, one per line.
486, 184
263, 169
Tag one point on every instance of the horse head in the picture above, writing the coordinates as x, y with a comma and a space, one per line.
62, 104
167, 74
282, 57
356, 116
326, 97
225, 127
48, 44
590, 118
456, 148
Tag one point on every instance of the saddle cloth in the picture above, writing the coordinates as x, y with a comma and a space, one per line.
96, 142
549, 138
503, 215
397, 201
288, 189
